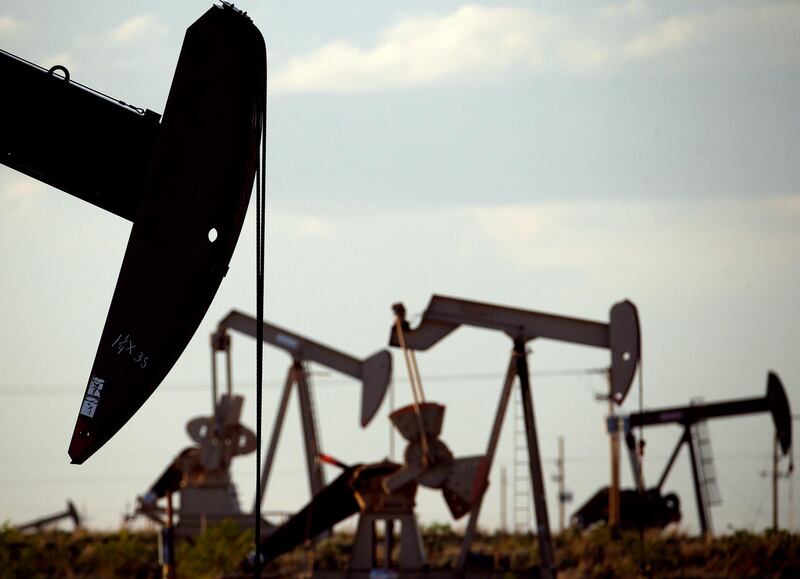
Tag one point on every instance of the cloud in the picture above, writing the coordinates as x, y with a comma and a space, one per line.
420, 50
63, 58
696, 237
477, 42
314, 226
19, 197
623, 9
9, 24
666, 36
138, 29
126, 60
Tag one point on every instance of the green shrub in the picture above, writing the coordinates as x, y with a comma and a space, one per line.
219, 550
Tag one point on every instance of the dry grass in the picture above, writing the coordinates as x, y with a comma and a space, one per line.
591, 554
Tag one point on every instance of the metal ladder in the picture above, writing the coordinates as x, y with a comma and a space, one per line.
705, 464
521, 482
706, 478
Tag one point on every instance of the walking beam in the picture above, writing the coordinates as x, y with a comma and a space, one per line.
620, 335
374, 372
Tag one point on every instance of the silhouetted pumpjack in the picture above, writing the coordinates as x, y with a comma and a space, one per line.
184, 182
659, 514
71, 513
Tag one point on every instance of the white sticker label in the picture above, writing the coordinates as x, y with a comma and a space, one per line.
89, 406
95, 386
92, 398
287, 341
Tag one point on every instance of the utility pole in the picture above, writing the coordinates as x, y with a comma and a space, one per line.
564, 496
613, 491
561, 491
775, 483
775, 475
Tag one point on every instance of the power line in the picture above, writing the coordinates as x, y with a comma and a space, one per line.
292, 472
49, 480
15, 390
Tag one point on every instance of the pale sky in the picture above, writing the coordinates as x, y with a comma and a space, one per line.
544, 157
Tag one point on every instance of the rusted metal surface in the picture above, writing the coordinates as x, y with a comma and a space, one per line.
374, 372
620, 335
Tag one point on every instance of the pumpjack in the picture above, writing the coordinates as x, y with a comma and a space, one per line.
70, 513
648, 507
183, 178
445, 314
374, 373
200, 474
383, 493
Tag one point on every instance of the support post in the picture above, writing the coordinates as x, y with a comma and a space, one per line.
546, 556
228, 368
220, 342
698, 491
214, 379
276, 431
671, 461
316, 479
494, 438
388, 543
